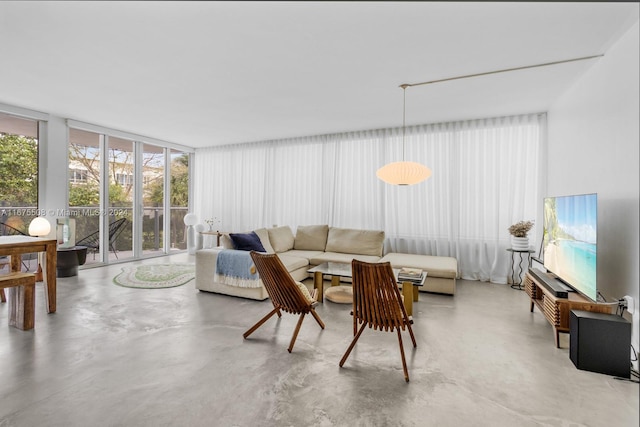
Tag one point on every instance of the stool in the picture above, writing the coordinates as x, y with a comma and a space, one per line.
21, 290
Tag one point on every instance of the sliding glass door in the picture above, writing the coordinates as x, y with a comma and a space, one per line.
121, 197
179, 198
153, 199
85, 178
118, 234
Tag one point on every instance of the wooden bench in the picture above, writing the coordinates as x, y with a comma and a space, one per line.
21, 290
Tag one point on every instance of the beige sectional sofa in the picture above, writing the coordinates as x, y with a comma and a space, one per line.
315, 244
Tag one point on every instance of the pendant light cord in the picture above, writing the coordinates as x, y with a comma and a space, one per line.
404, 115
404, 86
506, 70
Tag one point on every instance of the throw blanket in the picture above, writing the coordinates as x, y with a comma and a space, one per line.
235, 268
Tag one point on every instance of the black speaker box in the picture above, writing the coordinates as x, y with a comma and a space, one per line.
600, 343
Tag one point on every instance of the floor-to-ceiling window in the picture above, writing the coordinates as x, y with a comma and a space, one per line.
120, 193
153, 198
85, 166
179, 198
18, 176
122, 189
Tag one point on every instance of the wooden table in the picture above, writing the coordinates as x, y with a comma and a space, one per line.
15, 246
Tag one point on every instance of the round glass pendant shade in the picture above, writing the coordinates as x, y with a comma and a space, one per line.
403, 173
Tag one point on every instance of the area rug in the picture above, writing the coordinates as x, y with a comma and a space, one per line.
155, 276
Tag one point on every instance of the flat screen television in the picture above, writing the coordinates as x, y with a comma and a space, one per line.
570, 241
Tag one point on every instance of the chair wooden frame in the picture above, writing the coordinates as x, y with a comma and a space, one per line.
283, 292
92, 241
377, 304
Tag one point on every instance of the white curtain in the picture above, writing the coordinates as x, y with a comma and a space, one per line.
485, 178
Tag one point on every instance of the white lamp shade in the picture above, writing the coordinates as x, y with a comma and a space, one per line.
190, 219
39, 227
403, 173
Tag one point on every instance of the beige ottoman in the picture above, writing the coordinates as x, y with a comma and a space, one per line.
441, 271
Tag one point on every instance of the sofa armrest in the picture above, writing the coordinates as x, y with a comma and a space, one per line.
206, 260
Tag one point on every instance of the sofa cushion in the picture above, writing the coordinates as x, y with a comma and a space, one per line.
352, 241
301, 254
435, 266
339, 257
293, 262
263, 234
311, 237
281, 238
246, 242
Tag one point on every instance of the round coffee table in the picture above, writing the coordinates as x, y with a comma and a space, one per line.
340, 294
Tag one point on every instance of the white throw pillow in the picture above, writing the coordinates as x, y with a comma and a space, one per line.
281, 238
263, 234
353, 241
311, 237
225, 242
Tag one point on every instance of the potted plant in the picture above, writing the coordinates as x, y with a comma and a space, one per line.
519, 239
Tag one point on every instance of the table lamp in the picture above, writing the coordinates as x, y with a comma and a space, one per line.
39, 227
190, 220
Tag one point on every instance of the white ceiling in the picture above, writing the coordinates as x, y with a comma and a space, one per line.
211, 73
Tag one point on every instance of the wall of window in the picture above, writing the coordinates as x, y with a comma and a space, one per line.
118, 189
18, 174
486, 176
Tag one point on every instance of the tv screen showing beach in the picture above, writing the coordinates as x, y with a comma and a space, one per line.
570, 239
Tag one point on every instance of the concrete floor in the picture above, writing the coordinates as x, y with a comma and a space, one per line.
114, 356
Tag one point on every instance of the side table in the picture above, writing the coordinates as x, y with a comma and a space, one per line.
517, 284
69, 259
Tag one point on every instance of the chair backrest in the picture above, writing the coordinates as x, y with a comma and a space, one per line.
115, 228
93, 240
7, 230
280, 286
376, 297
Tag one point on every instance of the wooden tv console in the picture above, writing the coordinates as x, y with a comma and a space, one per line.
558, 310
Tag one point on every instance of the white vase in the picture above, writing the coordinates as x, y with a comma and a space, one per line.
519, 243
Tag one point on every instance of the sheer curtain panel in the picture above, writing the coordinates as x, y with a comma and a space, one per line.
485, 178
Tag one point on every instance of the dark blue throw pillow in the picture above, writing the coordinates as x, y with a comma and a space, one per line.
247, 242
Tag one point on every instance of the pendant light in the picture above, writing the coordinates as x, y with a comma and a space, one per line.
403, 173
408, 173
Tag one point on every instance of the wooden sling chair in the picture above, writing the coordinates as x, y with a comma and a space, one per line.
285, 294
377, 304
92, 241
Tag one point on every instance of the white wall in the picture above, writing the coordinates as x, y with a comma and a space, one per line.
593, 148
54, 172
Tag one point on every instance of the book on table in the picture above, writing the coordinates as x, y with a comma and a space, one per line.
414, 275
